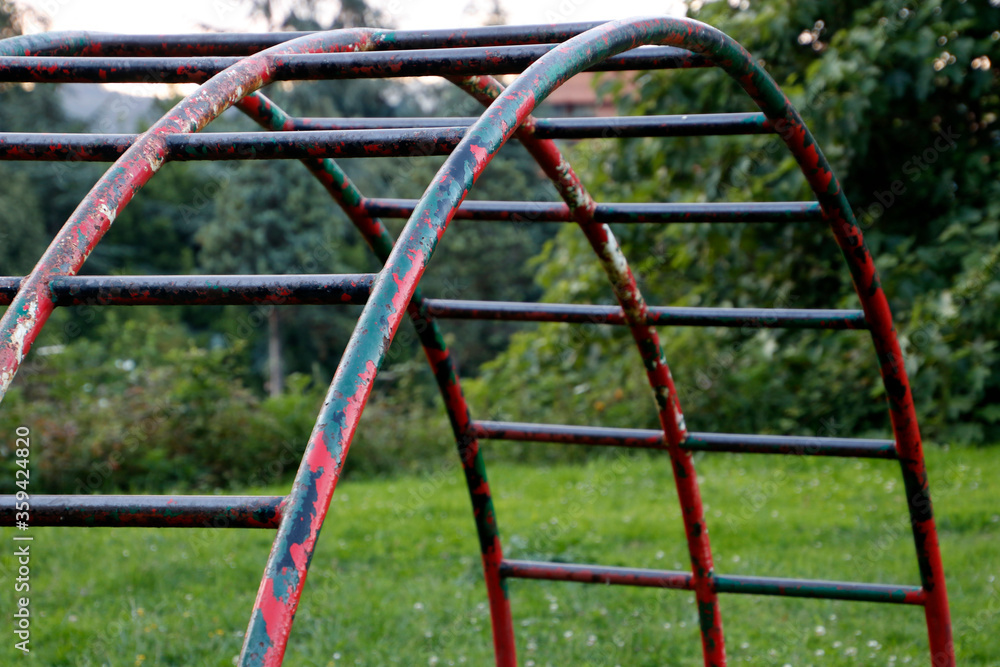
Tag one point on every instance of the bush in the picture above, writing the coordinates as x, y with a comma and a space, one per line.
142, 408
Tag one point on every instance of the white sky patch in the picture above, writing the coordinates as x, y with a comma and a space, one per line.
179, 16
190, 16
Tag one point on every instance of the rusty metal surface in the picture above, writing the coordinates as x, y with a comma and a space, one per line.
234, 66
547, 75
744, 212
740, 318
306, 66
796, 588
703, 442
235, 145
89, 43
345, 193
602, 127
149, 511
201, 290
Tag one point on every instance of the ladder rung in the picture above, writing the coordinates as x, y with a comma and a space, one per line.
799, 588
816, 588
40, 146
711, 442
225, 43
569, 435
202, 290
791, 444
148, 511
574, 128
595, 574
751, 318
526, 211
340, 65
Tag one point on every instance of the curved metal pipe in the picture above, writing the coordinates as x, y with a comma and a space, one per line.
740, 65
90, 43
321, 465
380, 319
33, 304
758, 84
487, 90
269, 115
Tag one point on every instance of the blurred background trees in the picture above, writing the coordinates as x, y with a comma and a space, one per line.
898, 95
902, 97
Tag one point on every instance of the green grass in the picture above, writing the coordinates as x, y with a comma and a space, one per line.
396, 578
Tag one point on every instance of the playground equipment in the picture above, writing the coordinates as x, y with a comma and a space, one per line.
234, 67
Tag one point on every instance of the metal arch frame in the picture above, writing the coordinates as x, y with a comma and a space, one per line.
30, 309
345, 193
740, 65
602, 240
435, 210
443, 197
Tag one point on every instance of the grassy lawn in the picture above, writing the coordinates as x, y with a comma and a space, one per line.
396, 579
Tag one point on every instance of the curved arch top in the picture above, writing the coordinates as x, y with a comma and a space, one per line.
432, 214
33, 304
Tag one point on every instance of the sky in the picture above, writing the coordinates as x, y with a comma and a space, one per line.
186, 16
174, 16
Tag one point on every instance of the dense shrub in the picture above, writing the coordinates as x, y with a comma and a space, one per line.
143, 408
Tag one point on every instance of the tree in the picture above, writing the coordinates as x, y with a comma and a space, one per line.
28, 217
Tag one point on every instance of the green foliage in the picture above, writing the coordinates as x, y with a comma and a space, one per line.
140, 407
899, 98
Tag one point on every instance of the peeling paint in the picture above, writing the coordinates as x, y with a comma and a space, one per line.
476, 54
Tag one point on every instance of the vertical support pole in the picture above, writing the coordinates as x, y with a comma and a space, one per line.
269, 115
487, 89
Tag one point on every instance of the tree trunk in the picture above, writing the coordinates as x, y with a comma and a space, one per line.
275, 379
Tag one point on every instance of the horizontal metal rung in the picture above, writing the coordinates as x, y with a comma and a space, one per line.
710, 442
569, 435
352, 138
147, 511
794, 445
341, 65
595, 574
800, 588
241, 44
825, 590
749, 318
575, 128
201, 290
525, 212
38, 146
